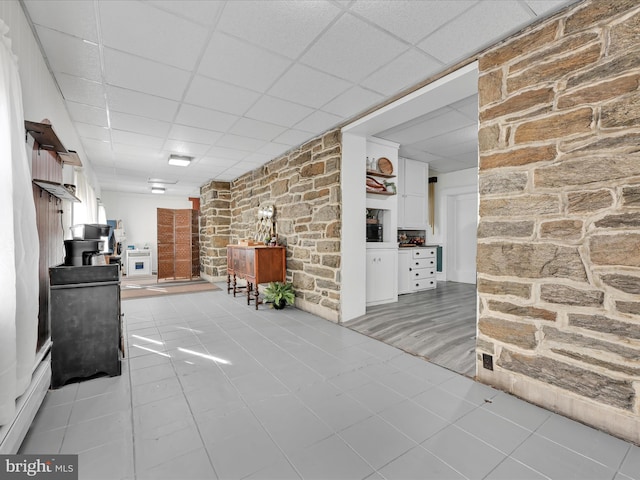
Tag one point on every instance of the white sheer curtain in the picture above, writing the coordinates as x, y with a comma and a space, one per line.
19, 240
86, 211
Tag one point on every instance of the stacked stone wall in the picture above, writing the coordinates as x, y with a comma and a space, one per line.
559, 231
215, 229
304, 186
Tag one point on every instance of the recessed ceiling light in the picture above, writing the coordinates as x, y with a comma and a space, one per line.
157, 189
162, 181
180, 160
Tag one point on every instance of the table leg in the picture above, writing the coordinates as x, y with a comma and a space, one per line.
249, 289
228, 283
235, 284
257, 296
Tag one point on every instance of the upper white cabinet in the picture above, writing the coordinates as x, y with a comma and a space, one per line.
413, 179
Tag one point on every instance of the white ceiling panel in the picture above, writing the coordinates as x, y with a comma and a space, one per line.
71, 55
204, 118
198, 11
79, 90
344, 52
239, 63
151, 33
235, 83
477, 28
411, 20
319, 121
70, 16
407, 70
134, 123
257, 129
356, 100
135, 73
284, 27
87, 114
281, 112
192, 134
142, 104
217, 95
94, 132
307, 86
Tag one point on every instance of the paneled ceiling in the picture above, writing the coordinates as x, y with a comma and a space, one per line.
236, 83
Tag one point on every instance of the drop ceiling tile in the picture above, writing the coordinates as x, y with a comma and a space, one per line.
546, 7
217, 162
256, 129
319, 122
403, 72
181, 147
227, 153
353, 101
217, 95
240, 143
151, 33
71, 55
92, 145
86, 114
80, 90
134, 123
132, 154
281, 112
136, 139
284, 27
135, 73
204, 13
138, 103
307, 86
204, 118
92, 131
238, 63
476, 29
341, 52
293, 137
468, 107
257, 158
409, 19
273, 149
193, 134
69, 16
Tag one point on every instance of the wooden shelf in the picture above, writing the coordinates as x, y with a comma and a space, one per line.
375, 173
375, 192
47, 139
57, 190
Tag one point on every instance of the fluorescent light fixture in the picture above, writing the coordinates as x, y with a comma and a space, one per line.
180, 160
157, 189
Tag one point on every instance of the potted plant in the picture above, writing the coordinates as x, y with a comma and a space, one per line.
279, 294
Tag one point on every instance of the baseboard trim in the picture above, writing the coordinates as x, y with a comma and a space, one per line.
12, 435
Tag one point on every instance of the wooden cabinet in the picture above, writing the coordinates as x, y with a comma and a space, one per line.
417, 269
85, 322
381, 284
412, 192
256, 265
178, 243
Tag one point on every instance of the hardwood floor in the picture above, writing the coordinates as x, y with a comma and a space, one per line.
438, 325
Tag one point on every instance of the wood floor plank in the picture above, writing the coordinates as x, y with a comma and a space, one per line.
438, 325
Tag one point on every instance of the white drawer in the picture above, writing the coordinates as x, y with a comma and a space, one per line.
422, 284
421, 262
423, 252
420, 273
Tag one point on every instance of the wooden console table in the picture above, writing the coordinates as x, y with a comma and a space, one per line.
256, 265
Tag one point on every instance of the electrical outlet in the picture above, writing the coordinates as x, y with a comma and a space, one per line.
487, 361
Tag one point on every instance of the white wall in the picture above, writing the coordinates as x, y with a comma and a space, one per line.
138, 213
454, 182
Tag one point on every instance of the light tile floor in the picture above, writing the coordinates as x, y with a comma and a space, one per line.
212, 389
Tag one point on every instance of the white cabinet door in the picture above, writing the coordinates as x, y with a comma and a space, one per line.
382, 266
404, 262
412, 202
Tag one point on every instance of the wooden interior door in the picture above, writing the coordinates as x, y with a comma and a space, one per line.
178, 244
166, 243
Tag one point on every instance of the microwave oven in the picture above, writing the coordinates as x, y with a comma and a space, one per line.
374, 232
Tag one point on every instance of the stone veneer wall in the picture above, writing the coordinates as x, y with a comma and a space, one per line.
559, 231
304, 185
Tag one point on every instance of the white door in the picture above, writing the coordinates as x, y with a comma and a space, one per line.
462, 218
